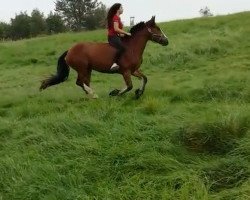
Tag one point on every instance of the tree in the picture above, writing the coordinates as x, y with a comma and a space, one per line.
4, 30
55, 23
205, 12
37, 23
20, 26
76, 13
97, 19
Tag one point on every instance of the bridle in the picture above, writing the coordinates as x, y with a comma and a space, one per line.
156, 37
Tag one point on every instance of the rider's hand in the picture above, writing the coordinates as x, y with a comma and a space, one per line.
129, 34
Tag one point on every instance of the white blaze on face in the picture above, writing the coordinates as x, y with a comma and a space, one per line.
163, 34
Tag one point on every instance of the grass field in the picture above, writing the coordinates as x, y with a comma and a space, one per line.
188, 137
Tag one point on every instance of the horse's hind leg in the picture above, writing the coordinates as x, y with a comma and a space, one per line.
83, 80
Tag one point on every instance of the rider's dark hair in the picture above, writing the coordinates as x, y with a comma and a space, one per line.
112, 11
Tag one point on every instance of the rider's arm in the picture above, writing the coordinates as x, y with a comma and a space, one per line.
118, 30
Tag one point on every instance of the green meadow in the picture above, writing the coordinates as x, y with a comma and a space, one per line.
188, 137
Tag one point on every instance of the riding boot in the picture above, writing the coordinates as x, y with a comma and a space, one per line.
114, 67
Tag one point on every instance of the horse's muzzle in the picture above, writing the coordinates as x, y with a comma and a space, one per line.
164, 41
161, 39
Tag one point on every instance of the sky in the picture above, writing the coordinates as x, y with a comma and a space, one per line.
142, 10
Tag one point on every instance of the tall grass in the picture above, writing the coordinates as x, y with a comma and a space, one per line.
187, 138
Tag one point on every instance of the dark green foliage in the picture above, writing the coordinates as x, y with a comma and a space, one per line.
4, 30
55, 23
81, 14
37, 23
97, 18
25, 26
20, 26
78, 15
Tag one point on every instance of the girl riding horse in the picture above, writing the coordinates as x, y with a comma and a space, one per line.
85, 57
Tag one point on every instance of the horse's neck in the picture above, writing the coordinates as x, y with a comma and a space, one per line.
138, 44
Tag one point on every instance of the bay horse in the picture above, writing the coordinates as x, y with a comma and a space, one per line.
85, 57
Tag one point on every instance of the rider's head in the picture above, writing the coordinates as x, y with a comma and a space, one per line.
115, 9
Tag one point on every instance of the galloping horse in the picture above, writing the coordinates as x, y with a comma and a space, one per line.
85, 57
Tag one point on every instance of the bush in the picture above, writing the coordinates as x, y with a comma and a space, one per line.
217, 137
228, 173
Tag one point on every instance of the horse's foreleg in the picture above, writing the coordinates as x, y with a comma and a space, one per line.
129, 85
128, 81
144, 79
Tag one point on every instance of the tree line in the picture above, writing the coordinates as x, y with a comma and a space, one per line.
69, 15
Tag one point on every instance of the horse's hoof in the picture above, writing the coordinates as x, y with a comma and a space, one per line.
95, 96
92, 96
138, 93
114, 92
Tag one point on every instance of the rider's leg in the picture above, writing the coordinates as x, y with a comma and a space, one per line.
117, 43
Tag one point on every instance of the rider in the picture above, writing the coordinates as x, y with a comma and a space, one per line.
115, 31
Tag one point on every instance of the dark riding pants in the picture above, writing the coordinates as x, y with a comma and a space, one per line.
116, 42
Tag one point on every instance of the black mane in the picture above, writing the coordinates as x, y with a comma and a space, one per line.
134, 30
137, 27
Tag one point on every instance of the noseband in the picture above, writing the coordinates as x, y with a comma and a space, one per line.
156, 37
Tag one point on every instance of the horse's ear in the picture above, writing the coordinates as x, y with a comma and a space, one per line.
153, 19
151, 22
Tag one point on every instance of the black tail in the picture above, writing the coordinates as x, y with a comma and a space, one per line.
61, 75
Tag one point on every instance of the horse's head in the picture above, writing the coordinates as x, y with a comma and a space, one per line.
156, 34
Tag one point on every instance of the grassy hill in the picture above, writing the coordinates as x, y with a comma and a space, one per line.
188, 137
